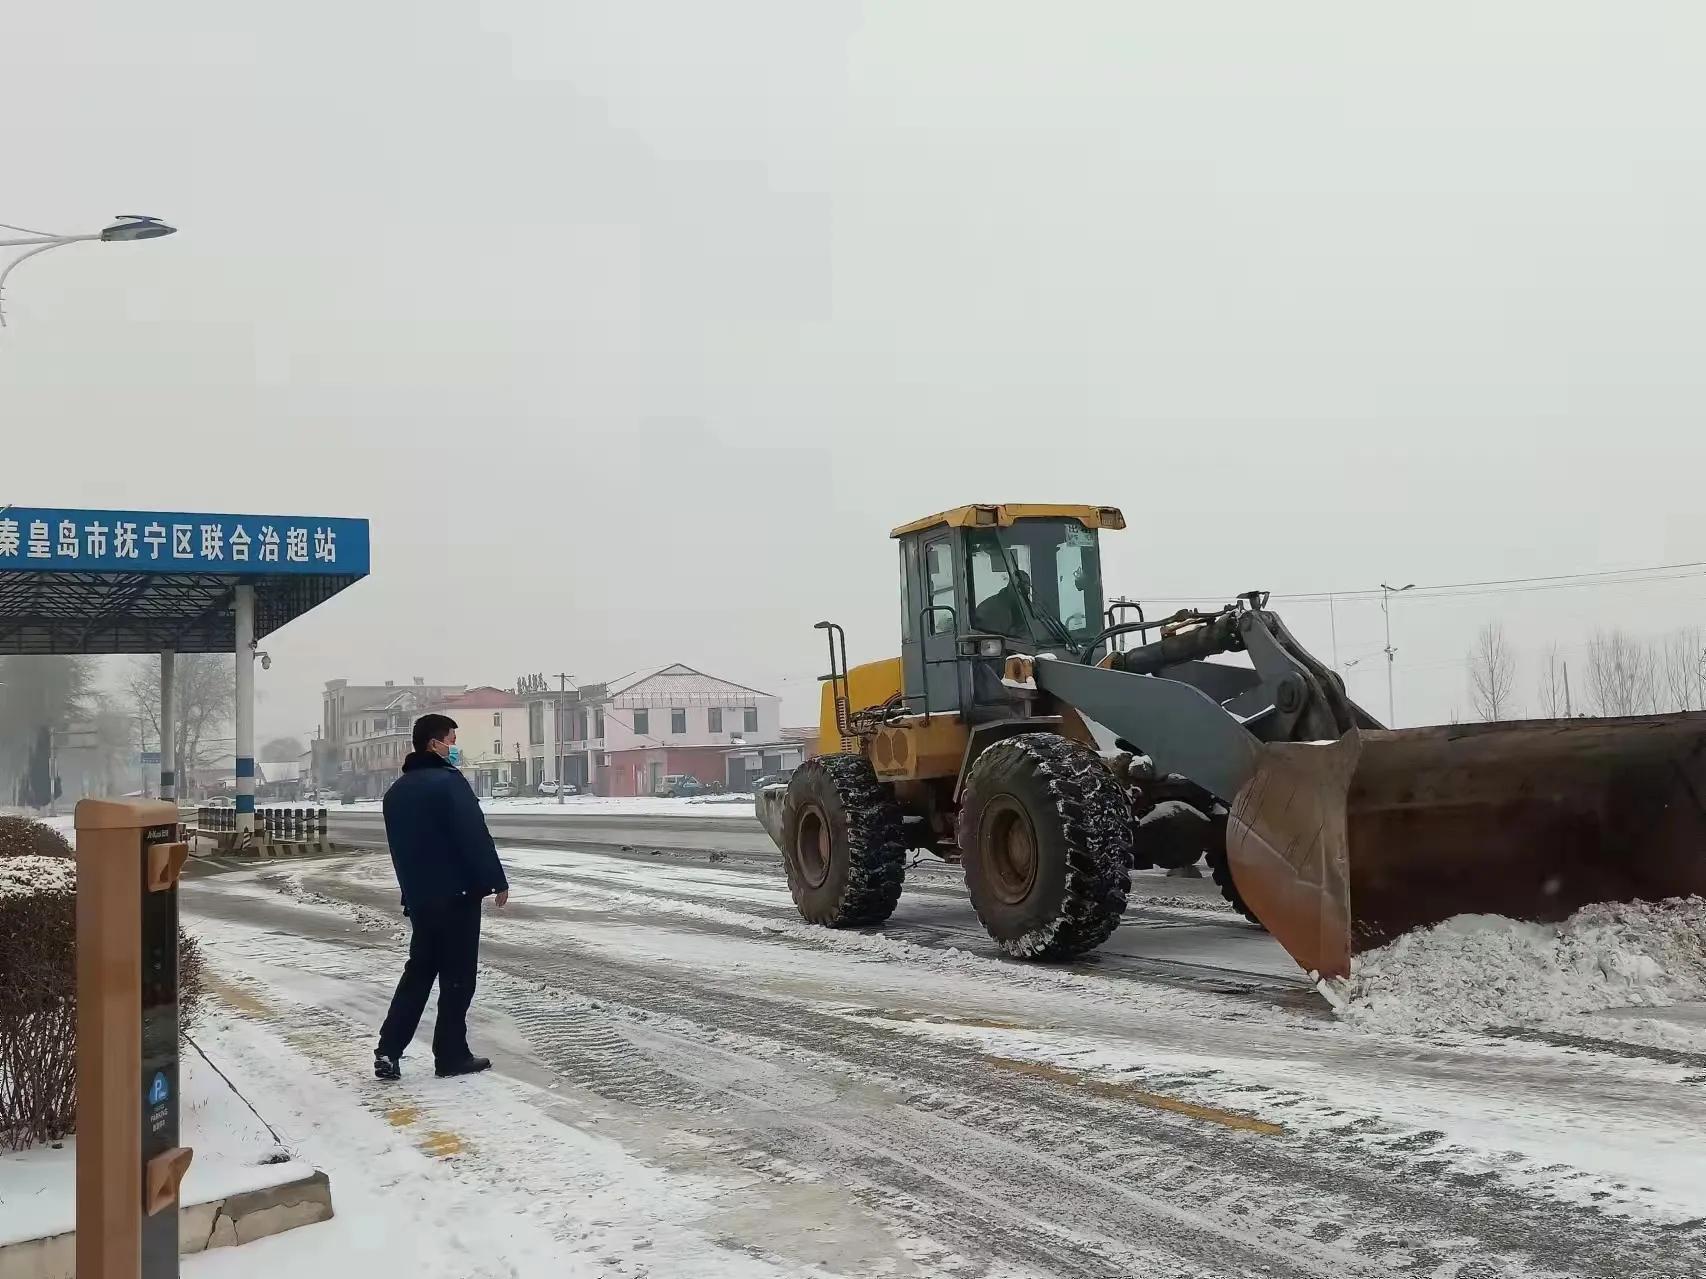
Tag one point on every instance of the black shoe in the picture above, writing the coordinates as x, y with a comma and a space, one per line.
467, 1066
386, 1068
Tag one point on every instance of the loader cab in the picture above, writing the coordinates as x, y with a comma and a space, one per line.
981, 582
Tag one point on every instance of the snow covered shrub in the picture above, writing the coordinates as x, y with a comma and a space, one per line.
21, 837
38, 985
191, 980
38, 999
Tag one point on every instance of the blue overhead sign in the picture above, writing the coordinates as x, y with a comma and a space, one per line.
76, 541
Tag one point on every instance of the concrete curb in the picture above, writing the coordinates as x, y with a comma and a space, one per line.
218, 1223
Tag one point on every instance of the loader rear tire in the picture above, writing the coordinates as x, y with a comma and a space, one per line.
843, 843
1045, 831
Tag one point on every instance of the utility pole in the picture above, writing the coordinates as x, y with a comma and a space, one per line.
1333, 623
1566, 690
562, 689
1386, 594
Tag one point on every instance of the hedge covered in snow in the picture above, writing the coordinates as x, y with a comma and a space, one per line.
38, 984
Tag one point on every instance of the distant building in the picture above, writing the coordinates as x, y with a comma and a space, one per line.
624, 736
491, 729
365, 730
565, 727
748, 763
277, 780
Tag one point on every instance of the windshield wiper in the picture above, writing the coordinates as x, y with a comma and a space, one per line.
1056, 627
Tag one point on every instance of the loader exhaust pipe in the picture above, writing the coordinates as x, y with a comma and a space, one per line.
1340, 847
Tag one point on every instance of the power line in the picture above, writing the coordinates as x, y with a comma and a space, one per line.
1490, 586
1558, 586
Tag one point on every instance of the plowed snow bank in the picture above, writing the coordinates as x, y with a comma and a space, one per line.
1485, 970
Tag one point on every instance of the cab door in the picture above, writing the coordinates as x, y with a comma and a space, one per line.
940, 622
932, 615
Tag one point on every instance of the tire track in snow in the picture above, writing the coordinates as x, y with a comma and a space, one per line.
1044, 1137
1018, 1169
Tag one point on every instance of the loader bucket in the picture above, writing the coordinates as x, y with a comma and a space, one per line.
1339, 847
768, 803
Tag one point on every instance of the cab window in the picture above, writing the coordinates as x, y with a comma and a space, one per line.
908, 571
998, 605
939, 566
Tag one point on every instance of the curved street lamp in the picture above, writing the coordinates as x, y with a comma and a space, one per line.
129, 226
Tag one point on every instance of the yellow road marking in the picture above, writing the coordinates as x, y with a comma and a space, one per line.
441, 1145
1138, 1096
236, 998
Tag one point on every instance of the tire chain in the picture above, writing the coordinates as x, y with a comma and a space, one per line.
1096, 817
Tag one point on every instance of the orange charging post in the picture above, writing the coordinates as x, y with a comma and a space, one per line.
129, 1162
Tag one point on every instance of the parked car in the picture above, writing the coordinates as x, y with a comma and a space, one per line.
547, 787
771, 779
502, 790
678, 786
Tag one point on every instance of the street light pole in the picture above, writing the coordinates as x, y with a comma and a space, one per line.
129, 227
1386, 594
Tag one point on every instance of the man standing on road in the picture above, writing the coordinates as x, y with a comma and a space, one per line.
446, 863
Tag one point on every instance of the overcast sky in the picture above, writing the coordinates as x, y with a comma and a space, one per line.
633, 327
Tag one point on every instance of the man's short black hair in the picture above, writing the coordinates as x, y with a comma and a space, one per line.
431, 728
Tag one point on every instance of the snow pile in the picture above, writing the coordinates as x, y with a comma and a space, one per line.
24, 876
1475, 971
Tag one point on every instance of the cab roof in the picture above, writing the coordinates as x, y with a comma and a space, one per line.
1000, 515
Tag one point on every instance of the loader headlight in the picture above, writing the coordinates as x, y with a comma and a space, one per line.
989, 648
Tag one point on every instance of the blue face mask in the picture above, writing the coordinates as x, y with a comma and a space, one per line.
454, 758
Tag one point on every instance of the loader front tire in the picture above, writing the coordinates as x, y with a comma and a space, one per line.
1222, 872
1045, 831
843, 843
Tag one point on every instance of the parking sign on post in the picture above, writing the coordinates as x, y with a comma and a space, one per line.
129, 1162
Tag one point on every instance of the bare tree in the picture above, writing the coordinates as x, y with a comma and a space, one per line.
206, 701
1623, 674
283, 750
1492, 674
39, 696
107, 764
1550, 688
1681, 670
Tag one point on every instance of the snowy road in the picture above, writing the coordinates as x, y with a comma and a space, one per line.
902, 1102
1190, 935
729, 827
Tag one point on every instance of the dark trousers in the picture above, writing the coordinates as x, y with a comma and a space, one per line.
445, 946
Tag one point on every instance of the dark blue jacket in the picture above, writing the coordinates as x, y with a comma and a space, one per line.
440, 846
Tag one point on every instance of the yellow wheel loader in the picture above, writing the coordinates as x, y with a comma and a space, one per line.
1050, 742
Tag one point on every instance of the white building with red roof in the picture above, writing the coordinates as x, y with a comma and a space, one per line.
491, 729
627, 735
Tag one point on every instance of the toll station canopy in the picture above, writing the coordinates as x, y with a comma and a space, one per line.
76, 581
